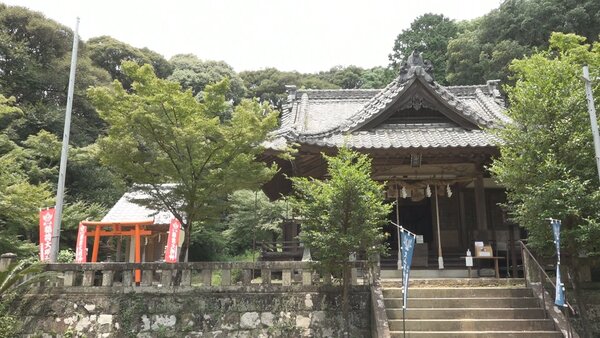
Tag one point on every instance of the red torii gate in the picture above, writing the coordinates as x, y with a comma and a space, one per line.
135, 229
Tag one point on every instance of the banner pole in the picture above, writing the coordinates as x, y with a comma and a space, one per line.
399, 260
60, 191
404, 321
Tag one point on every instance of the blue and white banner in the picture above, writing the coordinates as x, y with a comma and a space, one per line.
560, 294
408, 247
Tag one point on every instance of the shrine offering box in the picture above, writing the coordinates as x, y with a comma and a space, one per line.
483, 251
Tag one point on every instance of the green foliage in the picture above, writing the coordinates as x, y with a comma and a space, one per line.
159, 133
130, 310
487, 45
269, 84
11, 279
108, 53
252, 217
195, 74
35, 57
428, 33
66, 256
547, 155
343, 214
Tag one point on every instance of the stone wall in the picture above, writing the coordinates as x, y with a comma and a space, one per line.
272, 311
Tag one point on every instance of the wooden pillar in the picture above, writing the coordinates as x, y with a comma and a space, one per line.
465, 235
138, 253
480, 204
96, 244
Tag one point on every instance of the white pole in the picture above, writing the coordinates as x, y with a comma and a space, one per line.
439, 237
60, 191
593, 118
399, 262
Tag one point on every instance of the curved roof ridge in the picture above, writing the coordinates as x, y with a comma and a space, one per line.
460, 106
492, 107
339, 90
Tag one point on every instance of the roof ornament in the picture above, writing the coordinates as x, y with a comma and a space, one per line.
416, 66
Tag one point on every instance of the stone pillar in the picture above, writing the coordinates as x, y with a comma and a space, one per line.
127, 277
306, 277
246, 276
166, 277
6, 260
88, 278
107, 277
353, 270
286, 276
207, 277
265, 275
68, 278
186, 277
225, 277
147, 277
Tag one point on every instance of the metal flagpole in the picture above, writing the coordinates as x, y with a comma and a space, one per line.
398, 262
60, 191
400, 229
404, 229
592, 111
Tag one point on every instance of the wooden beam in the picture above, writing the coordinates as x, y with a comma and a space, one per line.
123, 233
127, 223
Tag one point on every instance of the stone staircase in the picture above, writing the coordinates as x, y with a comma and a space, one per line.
467, 308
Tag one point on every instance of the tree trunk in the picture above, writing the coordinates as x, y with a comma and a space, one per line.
186, 242
345, 299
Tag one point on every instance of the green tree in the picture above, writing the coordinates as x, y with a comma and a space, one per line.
463, 60
377, 77
252, 217
160, 134
342, 215
344, 77
35, 57
195, 74
486, 46
108, 53
429, 33
547, 160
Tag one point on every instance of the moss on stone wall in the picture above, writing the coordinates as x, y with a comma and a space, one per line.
192, 313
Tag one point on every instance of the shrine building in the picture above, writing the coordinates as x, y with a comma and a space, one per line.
430, 143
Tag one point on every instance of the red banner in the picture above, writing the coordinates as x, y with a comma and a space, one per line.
81, 248
46, 228
172, 241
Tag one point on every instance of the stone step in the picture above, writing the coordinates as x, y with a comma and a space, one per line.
478, 334
464, 302
455, 292
426, 273
472, 324
466, 313
455, 282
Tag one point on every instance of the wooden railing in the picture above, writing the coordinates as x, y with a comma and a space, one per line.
202, 274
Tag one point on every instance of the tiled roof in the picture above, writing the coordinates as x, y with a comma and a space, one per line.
126, 209
406, 138
334, 117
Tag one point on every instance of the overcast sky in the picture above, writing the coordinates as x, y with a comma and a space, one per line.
303, 35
